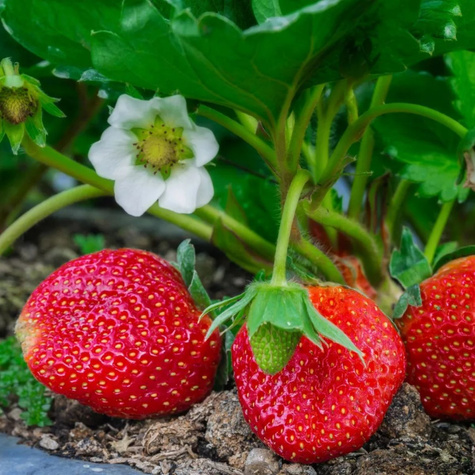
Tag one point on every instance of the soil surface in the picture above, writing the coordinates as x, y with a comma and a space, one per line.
212, 438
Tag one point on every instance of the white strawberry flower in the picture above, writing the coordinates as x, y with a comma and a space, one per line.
154, 152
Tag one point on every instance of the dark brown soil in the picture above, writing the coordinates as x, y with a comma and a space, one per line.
212, 438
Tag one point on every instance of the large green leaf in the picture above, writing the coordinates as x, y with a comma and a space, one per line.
201, 53
462, 64
419, 149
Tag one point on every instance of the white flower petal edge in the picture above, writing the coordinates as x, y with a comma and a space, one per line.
205, 190
132, 113
173, 111
203, 143
187, 188
139, 190
114, 155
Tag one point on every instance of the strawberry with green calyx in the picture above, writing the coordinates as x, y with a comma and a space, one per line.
279, 313
21, 106
118, 331
325, 402
436, 318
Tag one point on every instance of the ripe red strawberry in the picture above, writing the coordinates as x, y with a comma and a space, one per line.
118, 331
324, 403
440, 341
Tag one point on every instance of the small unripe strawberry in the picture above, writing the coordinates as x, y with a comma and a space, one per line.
118, 331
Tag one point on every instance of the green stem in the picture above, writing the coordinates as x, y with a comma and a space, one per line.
285, 229
212, 215
50, 157
319, 259
395, 206
351, 105
366, 151
44, 209
325, 117
437, 230
370, 255
264, 150
247, 121
301, 125
355, 130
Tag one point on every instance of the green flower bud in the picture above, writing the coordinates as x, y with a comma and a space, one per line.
21, 105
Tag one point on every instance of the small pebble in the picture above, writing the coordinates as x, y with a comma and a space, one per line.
48, 443
261, 462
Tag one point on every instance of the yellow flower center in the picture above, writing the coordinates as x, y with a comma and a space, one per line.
160, 147
16, 104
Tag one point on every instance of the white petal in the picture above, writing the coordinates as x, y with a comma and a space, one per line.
114, 154
173, 111
130, 112
206, 189
138, 191
203, 143
182, 187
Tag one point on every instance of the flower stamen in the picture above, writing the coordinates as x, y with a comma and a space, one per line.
161, 147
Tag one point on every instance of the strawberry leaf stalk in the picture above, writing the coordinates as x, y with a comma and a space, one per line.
279, 313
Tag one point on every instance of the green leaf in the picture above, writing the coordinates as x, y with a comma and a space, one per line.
264, 9
462, 65
198, 292
186, 261
89, 243
329, 330
450, 256
225, 368
416, 148
411, 296
408, 264
444, 249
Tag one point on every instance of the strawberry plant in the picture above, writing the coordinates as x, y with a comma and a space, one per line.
327, 147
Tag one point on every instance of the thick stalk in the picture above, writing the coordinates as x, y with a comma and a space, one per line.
288, 214
437, 230
264, 150
45, 209
370, 255
325, 265
301, 125
366, 151
212, 215
395, 206
54, 159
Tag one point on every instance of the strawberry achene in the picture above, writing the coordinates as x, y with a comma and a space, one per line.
324, 403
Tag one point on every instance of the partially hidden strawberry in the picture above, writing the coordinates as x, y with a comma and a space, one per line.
440, 341
118, 331
324, 403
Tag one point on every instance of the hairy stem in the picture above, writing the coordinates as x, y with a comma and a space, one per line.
285, 229
437, 230
395, 207
45, 209
370, 255
264, 150
365, 154
326, 266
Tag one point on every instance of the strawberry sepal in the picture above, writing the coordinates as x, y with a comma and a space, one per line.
411, 296
273, 311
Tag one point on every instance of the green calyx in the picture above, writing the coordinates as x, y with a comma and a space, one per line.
21, 105
277, 317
